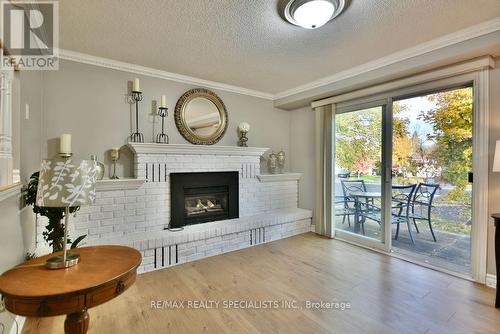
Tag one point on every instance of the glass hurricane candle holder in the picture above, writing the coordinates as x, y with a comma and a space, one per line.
114, 154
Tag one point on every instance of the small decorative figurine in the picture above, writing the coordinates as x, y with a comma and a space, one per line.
281, 160
244, 128
272, 163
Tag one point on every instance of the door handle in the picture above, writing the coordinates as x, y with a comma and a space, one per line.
388, 174
471, 177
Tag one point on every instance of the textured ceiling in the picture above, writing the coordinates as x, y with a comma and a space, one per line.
246, 43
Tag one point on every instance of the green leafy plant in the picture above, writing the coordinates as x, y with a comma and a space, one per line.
54, 231
29, 256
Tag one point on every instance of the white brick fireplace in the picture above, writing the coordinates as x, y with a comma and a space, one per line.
135, 212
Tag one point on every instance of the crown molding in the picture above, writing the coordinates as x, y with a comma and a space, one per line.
187, 149
415, 51
476, 64
155, 73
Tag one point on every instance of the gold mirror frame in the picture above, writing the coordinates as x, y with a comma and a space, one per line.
180, 120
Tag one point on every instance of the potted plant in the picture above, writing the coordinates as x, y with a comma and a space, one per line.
54, 233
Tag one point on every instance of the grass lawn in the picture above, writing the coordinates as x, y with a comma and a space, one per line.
447, 225
367, 178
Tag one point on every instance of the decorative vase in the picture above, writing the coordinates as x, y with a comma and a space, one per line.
100, 167
272, 163
281, 160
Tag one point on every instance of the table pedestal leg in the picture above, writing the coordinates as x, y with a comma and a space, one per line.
356, 215
77, 323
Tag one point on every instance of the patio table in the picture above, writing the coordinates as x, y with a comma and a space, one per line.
357, 195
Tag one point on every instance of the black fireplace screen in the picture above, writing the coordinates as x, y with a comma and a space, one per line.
203, 197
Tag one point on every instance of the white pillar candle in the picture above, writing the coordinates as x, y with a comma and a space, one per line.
163, 101
136, 87
65, 143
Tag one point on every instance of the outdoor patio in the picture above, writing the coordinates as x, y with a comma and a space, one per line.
451, 251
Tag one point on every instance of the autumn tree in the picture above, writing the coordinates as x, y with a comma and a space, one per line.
451, 121
402, 145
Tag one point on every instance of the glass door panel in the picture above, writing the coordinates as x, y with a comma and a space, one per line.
432, 151
359, 176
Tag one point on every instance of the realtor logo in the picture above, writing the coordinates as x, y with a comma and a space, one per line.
30, 34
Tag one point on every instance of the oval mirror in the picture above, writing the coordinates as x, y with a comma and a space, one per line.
201, 117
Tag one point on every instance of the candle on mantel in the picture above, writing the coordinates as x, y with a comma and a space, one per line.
163, 101
136, 86
244, 127
65, 143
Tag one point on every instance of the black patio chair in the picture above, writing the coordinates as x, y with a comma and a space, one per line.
344, 207
351, 186
400, 210
423, 197
348, 187
401, 199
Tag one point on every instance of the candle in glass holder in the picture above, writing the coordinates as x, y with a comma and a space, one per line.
114, 153
244, 127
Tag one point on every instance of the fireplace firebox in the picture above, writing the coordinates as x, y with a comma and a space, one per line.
203, 197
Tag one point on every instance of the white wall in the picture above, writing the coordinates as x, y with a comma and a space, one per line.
302, 136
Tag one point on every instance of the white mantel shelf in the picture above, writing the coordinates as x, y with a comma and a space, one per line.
279, 177
119, 184
153, 148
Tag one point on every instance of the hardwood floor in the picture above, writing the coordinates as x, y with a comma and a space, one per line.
387, 295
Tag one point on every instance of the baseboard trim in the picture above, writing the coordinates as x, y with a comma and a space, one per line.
491, 281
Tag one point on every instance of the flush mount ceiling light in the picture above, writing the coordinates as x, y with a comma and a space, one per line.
311, 14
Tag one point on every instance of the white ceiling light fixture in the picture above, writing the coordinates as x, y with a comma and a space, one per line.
312, 14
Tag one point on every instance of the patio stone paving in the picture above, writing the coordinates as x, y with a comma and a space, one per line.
451, 251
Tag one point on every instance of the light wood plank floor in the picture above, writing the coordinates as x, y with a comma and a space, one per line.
387, 295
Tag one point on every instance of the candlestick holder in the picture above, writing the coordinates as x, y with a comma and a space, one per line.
114, 154
136, 137
162, 138
243, 139
65, 155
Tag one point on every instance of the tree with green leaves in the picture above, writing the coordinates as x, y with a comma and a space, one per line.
358, 139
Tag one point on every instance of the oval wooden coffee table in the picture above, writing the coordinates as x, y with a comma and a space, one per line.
103, 273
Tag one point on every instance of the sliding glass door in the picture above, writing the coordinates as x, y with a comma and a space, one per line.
360, 180
408, 169
401, 176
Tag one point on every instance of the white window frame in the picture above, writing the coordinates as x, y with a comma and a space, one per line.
6, 151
